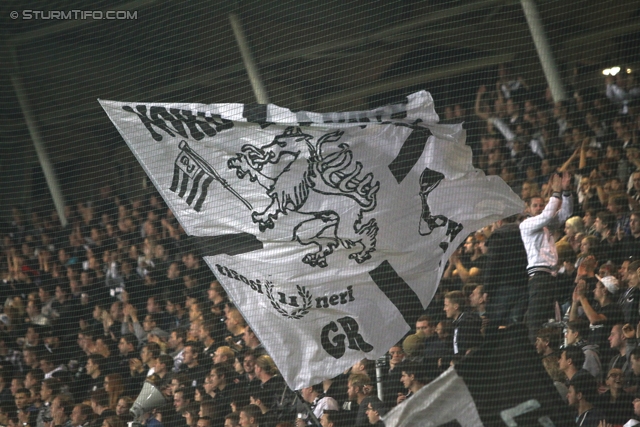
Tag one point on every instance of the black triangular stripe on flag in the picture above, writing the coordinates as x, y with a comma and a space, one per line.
176, 178
398, 291
184, 186
255, 113
194, 188
409, 153
230, 244
203, 193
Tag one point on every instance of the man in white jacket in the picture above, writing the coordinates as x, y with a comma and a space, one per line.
542, 257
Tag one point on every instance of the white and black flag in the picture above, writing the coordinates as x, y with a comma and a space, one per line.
502, 384
349, 217
190, 176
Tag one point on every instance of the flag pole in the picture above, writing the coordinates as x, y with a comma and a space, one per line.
214, 173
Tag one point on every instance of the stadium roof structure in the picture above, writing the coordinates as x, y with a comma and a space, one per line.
317, 56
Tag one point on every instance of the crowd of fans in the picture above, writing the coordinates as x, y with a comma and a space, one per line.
120, 296
568, 267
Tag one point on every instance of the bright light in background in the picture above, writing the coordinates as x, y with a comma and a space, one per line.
612, 71
628, 70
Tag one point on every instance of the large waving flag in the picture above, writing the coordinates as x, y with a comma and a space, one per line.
329, 231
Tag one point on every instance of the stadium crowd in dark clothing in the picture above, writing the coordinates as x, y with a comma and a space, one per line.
121, 296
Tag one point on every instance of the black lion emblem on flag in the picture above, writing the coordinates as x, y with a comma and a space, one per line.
318, 179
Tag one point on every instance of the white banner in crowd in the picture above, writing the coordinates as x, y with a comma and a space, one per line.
443, 400
348, 218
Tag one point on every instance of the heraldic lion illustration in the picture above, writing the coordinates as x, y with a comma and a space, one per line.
319, 180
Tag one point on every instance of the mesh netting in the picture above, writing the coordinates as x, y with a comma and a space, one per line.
155, 251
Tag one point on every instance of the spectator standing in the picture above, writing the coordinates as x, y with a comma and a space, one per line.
391, 384
537, 235
466, 325
505, 277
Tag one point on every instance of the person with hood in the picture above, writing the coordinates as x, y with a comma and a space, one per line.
576, 335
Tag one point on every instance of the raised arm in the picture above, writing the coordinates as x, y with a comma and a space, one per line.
570, 160
477, 108
462, 271
567, 198
535, 223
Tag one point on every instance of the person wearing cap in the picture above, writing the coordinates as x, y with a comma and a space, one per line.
602, 315
582, 395
413, 348
542, 256
317, 401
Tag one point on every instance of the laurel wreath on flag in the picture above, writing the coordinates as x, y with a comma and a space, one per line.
297, 313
